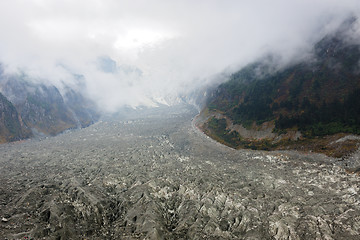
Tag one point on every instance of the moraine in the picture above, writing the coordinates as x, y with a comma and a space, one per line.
153, 175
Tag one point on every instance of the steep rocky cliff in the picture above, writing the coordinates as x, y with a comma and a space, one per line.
43, 108
11, 124
84, 110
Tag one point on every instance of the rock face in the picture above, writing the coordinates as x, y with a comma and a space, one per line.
11, 124
44, 109
84, 110
155, 176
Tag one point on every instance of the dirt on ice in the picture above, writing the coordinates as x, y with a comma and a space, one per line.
153, 175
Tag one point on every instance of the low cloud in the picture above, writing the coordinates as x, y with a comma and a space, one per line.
132, 52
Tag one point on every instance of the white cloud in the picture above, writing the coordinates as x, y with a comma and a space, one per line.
175, 44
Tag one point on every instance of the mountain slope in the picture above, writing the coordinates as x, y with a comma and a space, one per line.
11, 125
44, 109
312, 99
83, 110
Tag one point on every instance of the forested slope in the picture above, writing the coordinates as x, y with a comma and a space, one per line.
317, 97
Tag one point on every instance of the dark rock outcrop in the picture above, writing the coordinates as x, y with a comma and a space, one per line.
44, 109
11, 124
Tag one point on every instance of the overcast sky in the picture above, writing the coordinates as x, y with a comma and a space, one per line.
131, 52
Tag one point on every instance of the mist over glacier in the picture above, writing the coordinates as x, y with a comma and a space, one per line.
141, 53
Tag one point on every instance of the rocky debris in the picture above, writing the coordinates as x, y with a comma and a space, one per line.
156, 176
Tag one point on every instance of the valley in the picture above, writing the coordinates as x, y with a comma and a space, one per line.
153, 175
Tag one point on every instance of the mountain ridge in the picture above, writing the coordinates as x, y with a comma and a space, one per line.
313, 99
41, 109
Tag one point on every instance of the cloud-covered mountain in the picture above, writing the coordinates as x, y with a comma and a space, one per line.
264, 106
132, 53
175, 46
30, 108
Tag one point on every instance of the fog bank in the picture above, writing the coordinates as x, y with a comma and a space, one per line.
143, 52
